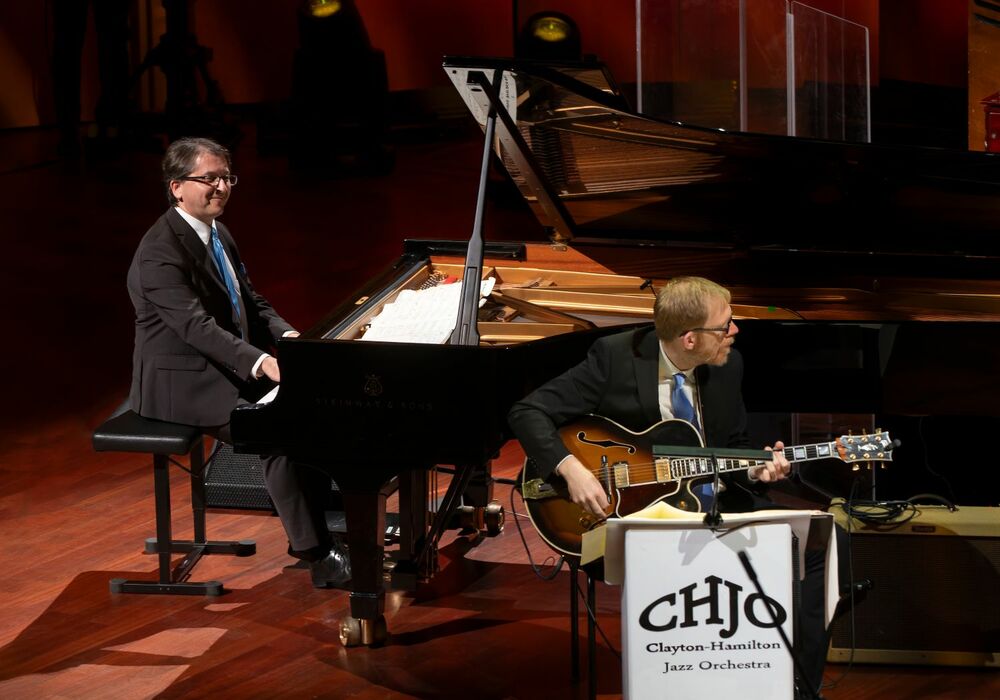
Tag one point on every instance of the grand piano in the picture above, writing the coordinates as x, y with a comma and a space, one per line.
865, 278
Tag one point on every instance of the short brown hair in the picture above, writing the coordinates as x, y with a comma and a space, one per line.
682, 304
181, 156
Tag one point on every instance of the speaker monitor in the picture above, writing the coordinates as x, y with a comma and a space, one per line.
935, 595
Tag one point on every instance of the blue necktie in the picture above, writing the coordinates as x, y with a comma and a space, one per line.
220, 261
679, 403
683, 409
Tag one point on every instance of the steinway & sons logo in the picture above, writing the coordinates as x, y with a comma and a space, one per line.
373, 400
373, 385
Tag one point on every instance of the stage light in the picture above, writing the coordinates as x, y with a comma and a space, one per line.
550, 28
340, 88
548, 36
322, 8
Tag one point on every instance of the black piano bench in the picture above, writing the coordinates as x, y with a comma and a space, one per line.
125, 431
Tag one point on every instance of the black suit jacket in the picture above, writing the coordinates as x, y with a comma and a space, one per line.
618, 380
190, 364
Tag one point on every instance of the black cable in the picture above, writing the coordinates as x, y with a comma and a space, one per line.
556, 567
496, 479
597, 625
880, 515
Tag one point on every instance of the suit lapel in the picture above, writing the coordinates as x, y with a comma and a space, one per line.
198, 250
206, 261
646, 364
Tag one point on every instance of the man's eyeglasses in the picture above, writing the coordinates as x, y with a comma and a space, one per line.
722, 329
211, 180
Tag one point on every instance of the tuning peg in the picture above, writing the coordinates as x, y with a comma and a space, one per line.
856, 468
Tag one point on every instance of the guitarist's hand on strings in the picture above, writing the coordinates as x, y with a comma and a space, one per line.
775, 470
584, 488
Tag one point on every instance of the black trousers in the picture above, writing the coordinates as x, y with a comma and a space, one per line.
299, 493
814, 634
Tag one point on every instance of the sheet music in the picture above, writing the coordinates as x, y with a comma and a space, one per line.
422, 315
270, 396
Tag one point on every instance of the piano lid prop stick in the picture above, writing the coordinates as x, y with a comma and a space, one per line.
466, 329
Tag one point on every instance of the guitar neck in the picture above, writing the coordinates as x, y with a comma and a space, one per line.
699, 466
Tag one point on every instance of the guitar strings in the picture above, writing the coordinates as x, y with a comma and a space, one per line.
679, 468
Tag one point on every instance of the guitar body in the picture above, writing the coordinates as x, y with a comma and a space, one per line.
601, 444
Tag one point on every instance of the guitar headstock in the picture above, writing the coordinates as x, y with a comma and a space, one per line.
876, 447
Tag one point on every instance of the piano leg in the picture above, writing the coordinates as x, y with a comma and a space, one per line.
414, 522
364, 509
479, 491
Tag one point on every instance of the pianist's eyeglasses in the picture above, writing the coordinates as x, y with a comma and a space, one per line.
211, 180
721, 329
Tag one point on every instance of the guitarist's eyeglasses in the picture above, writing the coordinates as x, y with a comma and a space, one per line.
722, 329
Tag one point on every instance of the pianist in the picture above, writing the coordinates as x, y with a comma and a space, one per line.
686, 369
202, 334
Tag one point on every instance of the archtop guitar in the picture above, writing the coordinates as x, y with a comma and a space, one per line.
633, 479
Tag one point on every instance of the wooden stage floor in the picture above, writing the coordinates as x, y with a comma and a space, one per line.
70, 519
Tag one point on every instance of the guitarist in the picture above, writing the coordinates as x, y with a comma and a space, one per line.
686, 369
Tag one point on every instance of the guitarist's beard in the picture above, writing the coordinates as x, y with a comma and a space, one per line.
721, 357
715, 353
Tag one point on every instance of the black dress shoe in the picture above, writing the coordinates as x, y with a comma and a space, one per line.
333, 570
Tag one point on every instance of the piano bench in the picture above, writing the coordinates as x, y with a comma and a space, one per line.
125, 431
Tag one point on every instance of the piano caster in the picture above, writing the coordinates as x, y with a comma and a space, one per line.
494, 518
356, 632
473, 519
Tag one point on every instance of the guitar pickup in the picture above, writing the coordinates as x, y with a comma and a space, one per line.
621, 474
662, 466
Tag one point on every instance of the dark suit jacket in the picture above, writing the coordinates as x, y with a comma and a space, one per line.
618, 380
190, 364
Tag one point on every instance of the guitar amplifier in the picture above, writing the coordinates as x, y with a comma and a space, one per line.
935, 594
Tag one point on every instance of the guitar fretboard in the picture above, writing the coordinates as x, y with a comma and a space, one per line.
687, 467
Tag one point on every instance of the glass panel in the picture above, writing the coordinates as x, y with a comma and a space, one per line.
765, 66
829, 78
689, 61
714, 63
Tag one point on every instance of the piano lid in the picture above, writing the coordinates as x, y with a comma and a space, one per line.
591, 168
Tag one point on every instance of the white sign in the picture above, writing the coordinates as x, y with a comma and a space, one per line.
693, 624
